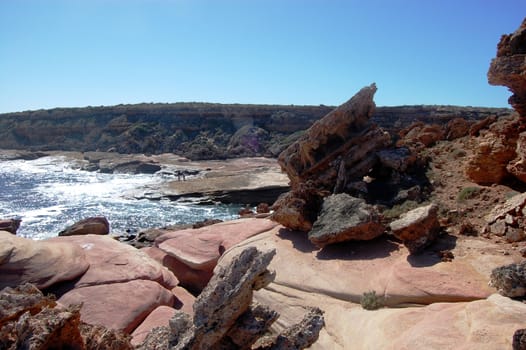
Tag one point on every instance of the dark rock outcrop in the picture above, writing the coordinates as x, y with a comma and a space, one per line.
510, 280
519, 339
97, 225
10, 225
344, 218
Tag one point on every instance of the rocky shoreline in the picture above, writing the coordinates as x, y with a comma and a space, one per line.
413, 240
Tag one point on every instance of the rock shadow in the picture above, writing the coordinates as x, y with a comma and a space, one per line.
432, 255
299, 240
377, 248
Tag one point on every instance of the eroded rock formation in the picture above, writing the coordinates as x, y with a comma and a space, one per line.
30, 320
225, 317
334, 152
509, 66
502, 152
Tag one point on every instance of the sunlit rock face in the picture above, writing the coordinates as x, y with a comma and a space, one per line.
509, 67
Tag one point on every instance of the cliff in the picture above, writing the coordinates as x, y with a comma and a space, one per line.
195, 130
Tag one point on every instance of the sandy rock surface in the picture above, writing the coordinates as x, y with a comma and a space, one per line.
43, 264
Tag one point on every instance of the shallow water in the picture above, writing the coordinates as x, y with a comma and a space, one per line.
49, 194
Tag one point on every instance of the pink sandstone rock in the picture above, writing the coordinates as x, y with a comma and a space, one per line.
347, 270
39, 262
481, 324
115, 262
192, 279
121, 306
185, 300
158, 317
192, 254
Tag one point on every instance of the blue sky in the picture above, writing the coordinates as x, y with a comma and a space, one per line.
93, 52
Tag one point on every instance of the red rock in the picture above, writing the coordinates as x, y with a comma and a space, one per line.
201, 248
114, 262
96, 225
185, 300
39, 262
158, 317
420, 135
120, 306
192, 279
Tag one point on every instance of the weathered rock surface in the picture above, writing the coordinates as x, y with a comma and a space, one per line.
417, 228
456, 294
224, 316
380, 265
98, 225
114, 262
344, 218
496, 148
120, 306
44, 264
510, 280
195, 252
10, 225
481, 324
508, 219
192, 279
509, 66
334, 152
29, 320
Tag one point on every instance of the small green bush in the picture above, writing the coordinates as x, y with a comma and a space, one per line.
468, 193
399, 209
371, 301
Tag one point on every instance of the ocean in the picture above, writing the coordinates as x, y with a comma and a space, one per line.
50, 193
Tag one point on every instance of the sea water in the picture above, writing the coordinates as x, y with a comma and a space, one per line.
49, 194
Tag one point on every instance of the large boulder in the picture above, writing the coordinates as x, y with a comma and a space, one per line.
334, 152
510, 280
114, 262
495, 149
119, 306
30, 320
98, 225
42, 263
417, 228
509, 66
344, 218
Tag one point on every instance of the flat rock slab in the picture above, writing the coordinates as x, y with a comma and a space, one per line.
120, 306
347, 270
39, 262
114, 262
482, 324
201, 248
